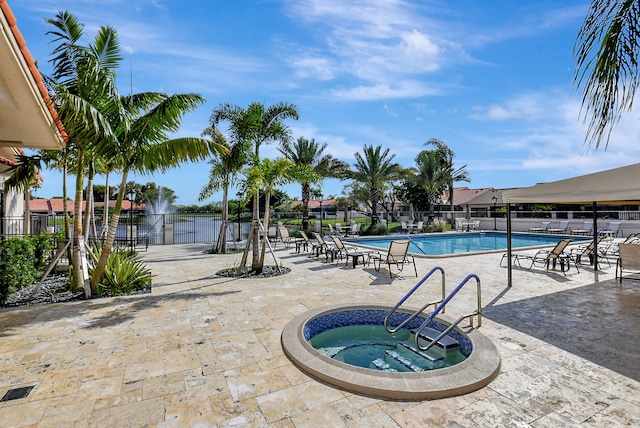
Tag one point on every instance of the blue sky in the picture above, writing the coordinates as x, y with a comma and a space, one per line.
491, 79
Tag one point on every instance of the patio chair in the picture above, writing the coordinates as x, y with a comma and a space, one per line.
323, 247
339, 229
540, 229
332, 231
405, 227
345, 250
286, 238
418, 228
355, 229
305, 243
396, 255
588, 250
613, 230
586, 229
546, 257
629, 259
562, 229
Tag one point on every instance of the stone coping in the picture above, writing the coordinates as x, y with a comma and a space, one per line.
480, 368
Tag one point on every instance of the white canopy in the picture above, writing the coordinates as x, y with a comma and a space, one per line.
618, 185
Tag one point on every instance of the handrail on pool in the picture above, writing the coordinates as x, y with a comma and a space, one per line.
415, 287
442, 306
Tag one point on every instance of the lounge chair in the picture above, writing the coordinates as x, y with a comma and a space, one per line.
586, 229
396, 255
546, 257
332, 231
346, 251
418, 228
305, 243
355, 229
540, 229
562, 229
588, 250
629, 259
613, 230
286, 238
339, 229
404, 226
323, 247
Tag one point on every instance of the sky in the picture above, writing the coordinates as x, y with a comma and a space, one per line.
494, 80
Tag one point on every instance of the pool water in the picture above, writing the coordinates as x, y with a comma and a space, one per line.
373, 347
471, 242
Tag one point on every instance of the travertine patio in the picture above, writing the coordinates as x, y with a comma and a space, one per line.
205, 351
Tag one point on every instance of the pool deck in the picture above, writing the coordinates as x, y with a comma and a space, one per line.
205, 351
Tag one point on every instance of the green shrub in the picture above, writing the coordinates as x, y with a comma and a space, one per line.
23, 261
123, 274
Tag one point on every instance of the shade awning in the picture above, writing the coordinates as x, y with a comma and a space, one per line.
613, 186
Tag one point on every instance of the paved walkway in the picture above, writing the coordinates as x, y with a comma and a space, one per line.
205, 351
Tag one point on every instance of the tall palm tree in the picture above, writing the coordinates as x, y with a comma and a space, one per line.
223, 174
142, 145
24, 174
432, 176
256, 125
308, 153
452, 174
83, 85
376, 171
266, 175
607, 53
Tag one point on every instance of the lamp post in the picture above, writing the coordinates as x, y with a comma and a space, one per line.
495, 201
132, 197
239, 229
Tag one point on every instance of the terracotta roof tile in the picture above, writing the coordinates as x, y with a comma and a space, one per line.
35, 73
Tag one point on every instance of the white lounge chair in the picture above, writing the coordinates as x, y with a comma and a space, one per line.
540, 229
563, 228
586, 229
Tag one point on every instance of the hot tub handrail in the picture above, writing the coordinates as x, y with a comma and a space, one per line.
415, 314
442, 306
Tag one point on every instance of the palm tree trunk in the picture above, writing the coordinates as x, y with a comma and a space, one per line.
65, 208
78, 283
221, 246
98, 271
105, 214
87, 208
255, 238
267, 196
306, 195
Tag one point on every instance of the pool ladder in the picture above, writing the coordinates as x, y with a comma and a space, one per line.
440, 308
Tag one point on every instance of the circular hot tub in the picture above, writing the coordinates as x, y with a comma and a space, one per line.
480, 365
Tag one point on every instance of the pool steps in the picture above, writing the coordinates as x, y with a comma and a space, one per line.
447, 343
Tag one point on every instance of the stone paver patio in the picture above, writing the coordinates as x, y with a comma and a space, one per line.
205, 351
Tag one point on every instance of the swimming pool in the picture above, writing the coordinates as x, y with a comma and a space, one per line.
440, 244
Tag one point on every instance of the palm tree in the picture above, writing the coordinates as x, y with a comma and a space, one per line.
607, 53
83, 85
452, 174
223, 174
432, 177
376, 171
142, 145
305, 153
256, 125
267, 175
24, 174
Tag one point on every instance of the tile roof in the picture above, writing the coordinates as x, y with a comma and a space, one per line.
33, 69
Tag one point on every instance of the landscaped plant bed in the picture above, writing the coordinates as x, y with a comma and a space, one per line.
54, 289
268, 271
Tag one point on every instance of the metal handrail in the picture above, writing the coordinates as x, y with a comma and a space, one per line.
415, 287
441, 307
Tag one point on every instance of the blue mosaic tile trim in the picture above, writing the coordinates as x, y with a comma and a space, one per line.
376, 317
